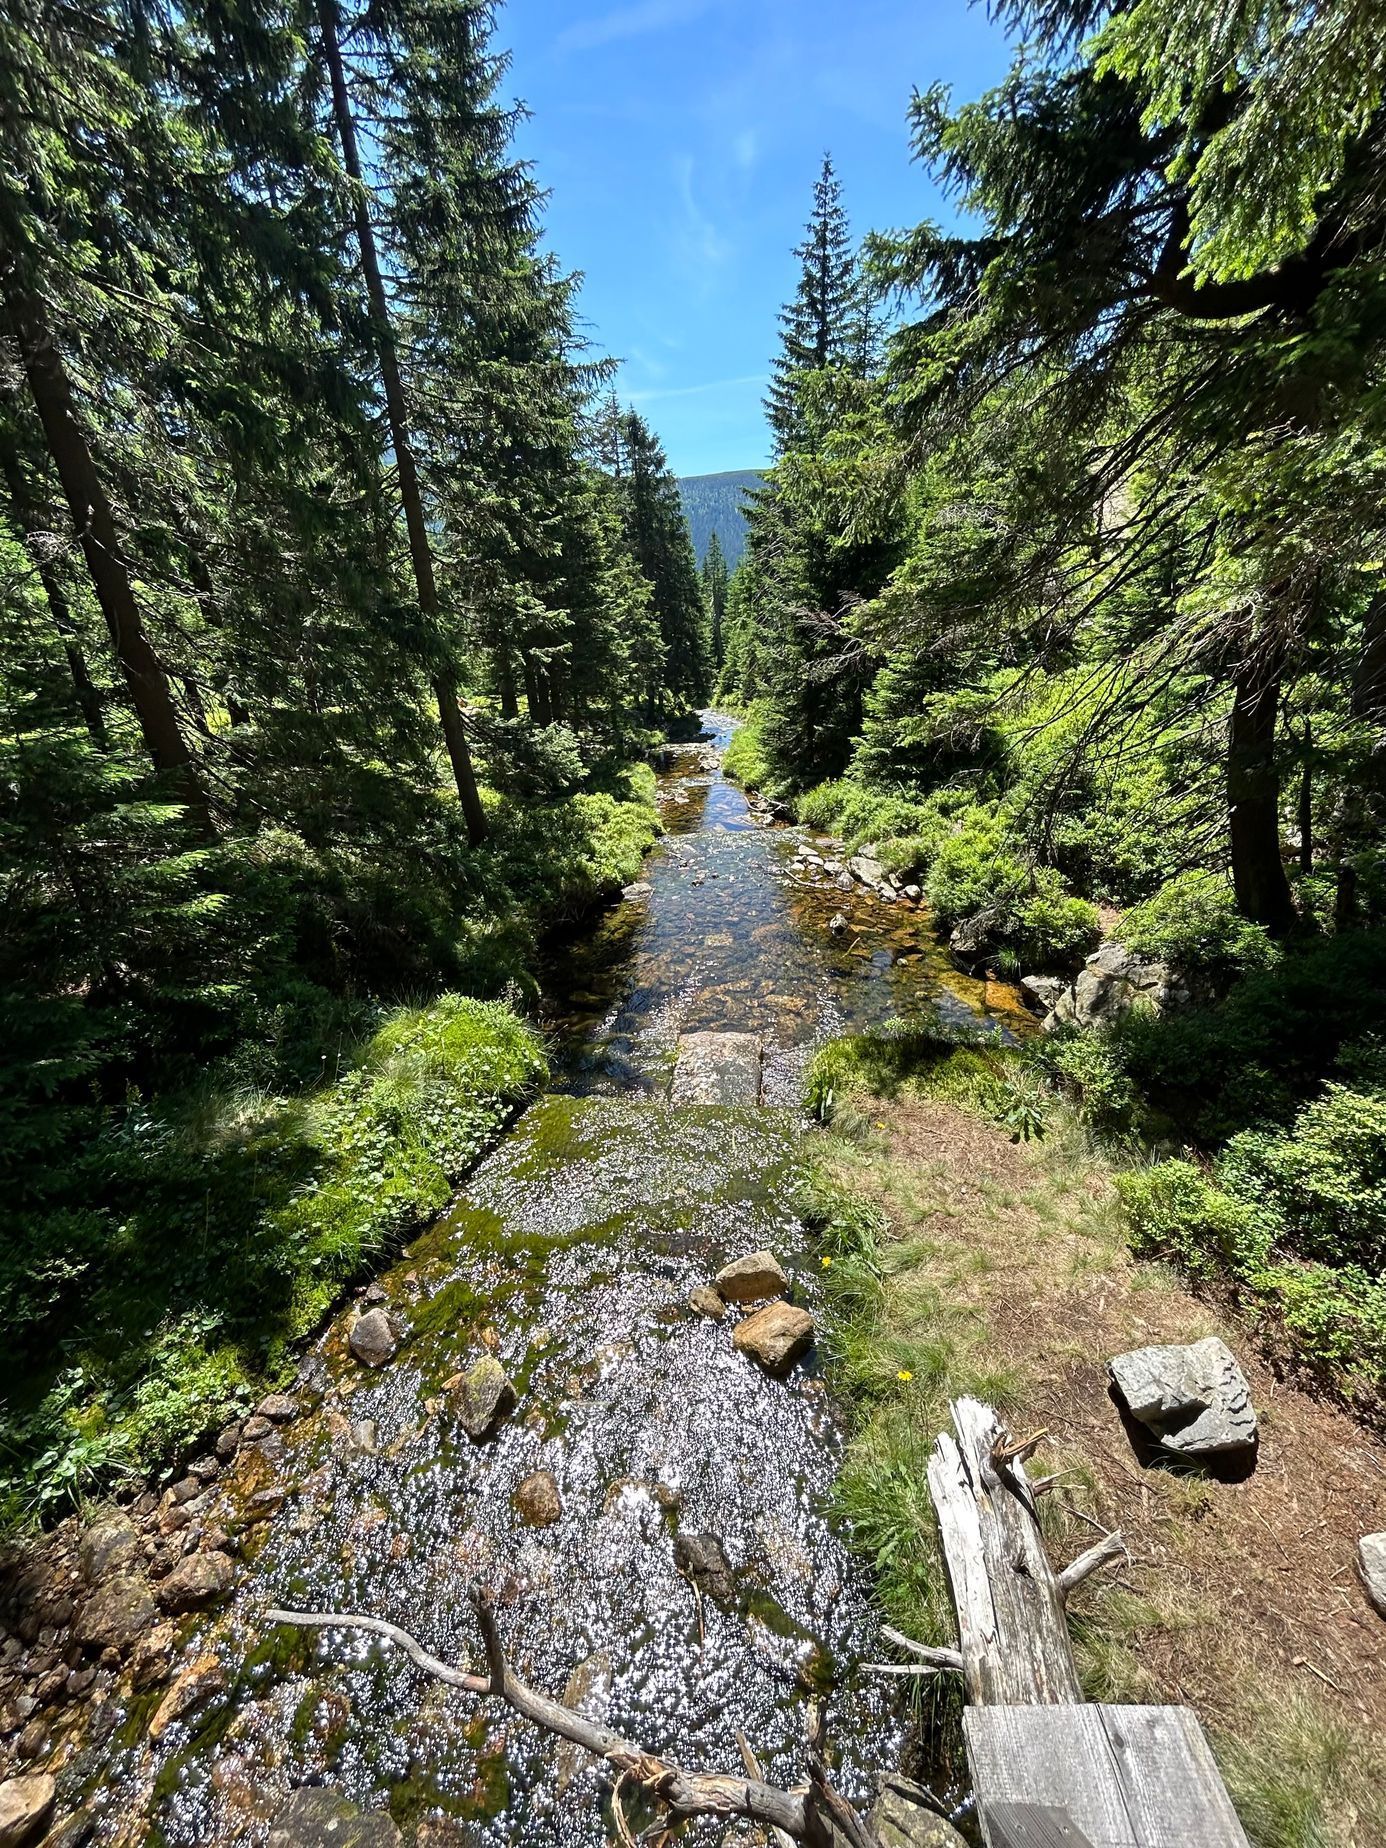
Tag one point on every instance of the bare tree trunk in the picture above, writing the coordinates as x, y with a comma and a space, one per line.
30, 525
505, 673
1306, 803
420, 552
95, 526
1253, 791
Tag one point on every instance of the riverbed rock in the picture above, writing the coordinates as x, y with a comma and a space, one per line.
110, 1544
912, 892
1371, 1569
117, 1613
751, 1279
717, 1068
907, 1816
708, 1300
1193, 1398
322, 1818
196, 1685
196, 1581
26, 1803
481, 1397
1044, 990
973, 938
639, 888
867, 869
538, 1501
775, 1336
588, 1692
838, 924
375, 1338
703, 1558
278, 1407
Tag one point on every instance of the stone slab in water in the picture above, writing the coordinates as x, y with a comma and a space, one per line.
321, 1818
1193, 1398
717, 1068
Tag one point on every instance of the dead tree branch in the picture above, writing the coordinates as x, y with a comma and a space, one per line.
793, 1816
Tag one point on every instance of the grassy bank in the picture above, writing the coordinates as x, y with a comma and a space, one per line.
963, 1261
185, 1240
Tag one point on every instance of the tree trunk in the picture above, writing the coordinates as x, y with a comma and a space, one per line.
95, 525
88, 699
1253, 792
1306, 803
406, 470
505, 675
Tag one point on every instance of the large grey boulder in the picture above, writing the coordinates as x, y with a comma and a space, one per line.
868, 869
752, 1279
321, 1818
775, 1336
26, 1803
1112, 982
1194, 1398
1371, 1567
717, 1068
907, 1816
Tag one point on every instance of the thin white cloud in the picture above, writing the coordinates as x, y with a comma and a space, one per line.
701, 246
695, 391
627, 22
745, 148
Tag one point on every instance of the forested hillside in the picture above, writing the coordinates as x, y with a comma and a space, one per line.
717, 504
338, 615
1069, 601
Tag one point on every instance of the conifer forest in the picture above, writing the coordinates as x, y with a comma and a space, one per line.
407, 836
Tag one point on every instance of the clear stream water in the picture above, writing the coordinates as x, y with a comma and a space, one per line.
570, 1255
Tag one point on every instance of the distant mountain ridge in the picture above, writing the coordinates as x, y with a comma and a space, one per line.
715, 503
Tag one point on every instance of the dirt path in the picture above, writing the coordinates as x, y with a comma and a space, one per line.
1241, 1597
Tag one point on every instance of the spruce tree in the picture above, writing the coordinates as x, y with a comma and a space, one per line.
821, 327
714, 575
657, 533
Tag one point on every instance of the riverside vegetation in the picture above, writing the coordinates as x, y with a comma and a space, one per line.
343, 609
1065, 597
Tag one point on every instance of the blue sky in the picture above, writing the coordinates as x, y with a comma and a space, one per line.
680, 140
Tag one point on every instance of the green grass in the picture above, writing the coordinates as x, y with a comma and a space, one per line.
744, 759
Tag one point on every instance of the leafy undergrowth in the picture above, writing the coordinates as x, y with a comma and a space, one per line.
229, 1221
176, 1244
960, 1260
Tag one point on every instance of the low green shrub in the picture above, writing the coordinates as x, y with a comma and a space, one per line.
1088, 1070
1192, 923
744, 759
1175, 1212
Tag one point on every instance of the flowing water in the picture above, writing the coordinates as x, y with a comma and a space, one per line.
570, 1256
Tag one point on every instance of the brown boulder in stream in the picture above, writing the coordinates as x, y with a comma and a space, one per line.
775, 1336
538, 1501
752, 1279
26, 1803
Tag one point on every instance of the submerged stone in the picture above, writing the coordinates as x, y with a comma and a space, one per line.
538, 1501
320, 1818
708, 1300
195, 1581
375, 1338
717, 1068
751, 1279
775, 1336
703, 1558
482, 1397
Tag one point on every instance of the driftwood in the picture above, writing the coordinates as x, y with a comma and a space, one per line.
789, 1816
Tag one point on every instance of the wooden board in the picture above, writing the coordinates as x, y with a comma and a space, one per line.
1125, 1777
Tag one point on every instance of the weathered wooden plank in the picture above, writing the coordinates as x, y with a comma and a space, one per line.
1011, 1626
1034, 1825
1056, 1755
1125, 1777
1174, 1790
